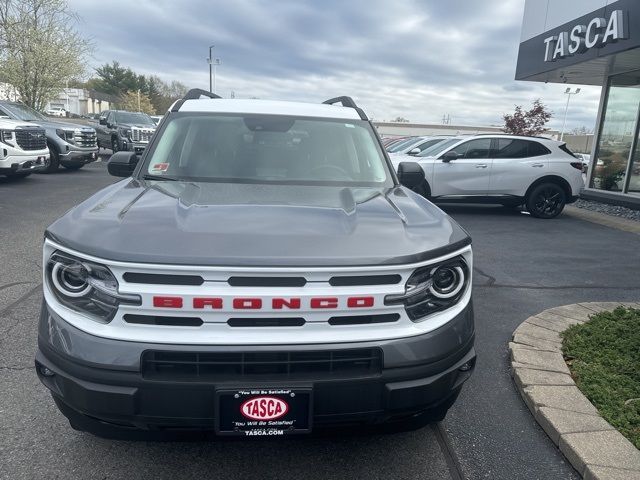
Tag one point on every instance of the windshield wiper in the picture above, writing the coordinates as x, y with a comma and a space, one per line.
148, 176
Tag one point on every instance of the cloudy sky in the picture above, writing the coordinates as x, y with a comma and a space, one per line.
416, 59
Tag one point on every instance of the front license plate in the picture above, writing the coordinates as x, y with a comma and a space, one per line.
263, 411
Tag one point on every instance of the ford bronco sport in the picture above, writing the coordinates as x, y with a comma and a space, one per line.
261, 270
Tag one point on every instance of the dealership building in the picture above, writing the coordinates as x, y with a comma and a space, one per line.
593, 42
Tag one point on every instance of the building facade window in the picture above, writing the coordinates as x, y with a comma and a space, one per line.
617, 141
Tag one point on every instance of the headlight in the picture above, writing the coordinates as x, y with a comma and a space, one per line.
6, 136
66, 135
433, 288
125, 132
85, 287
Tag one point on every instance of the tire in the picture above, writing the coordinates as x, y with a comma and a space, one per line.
54, 161
73, 167
114, 145
546, 200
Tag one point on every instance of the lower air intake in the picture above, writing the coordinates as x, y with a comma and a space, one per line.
222, 366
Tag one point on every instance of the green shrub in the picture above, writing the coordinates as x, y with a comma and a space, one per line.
604, 358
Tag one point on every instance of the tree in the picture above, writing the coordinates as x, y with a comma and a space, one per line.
115, 79
530, 123
137, 103
167, 93
40, 50
400, 120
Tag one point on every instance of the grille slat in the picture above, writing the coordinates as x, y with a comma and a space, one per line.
212, 367
139, 135
85, 139
31, 138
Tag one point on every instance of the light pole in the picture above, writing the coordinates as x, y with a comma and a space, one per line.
567, 92
213, 63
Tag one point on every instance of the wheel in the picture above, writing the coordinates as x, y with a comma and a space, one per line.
73, 167
114, 145
546, 200
53, 163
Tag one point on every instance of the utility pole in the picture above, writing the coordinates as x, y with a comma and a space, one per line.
213, 63
139, 100
567, 92
210, 67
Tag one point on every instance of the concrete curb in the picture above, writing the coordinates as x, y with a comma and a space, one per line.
594, 448
610, 221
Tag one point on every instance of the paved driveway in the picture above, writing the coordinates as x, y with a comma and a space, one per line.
523, 266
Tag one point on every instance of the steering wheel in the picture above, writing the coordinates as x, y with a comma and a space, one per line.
332, 168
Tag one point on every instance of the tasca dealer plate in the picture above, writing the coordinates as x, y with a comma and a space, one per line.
263, 411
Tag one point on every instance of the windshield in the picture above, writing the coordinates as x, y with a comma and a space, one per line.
134, 118
24, 113
405, 143
438, 148
268, 149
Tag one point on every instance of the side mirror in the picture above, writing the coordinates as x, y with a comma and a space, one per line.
450, 155
103, 121
414, 151
410, 174
122, 164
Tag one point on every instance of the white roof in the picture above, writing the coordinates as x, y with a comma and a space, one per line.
270, 107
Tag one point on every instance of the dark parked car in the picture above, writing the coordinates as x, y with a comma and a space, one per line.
122, 130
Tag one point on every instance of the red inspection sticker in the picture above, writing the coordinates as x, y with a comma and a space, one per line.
160, 167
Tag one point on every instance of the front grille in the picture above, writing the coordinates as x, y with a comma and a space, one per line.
85, 138
286, 365
141, 135
31, 138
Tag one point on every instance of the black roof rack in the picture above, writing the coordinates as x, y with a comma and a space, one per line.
196, 93
193, 94
347, 102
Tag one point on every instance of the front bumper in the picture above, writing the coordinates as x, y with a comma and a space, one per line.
10, 166
131, 146
103, 379
79, 157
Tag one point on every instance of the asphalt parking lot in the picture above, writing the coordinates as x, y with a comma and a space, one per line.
522, 265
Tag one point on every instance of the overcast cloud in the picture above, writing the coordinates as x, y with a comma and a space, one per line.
417, 59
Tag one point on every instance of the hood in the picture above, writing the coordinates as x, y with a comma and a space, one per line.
10, 124
257, 225
53, 124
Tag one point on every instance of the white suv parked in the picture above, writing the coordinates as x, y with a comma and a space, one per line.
23, 148
537, 172
56, 112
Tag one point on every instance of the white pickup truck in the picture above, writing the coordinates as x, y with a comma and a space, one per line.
23, 148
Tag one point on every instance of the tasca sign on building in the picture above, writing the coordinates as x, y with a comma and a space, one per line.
568, 40
597, 33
